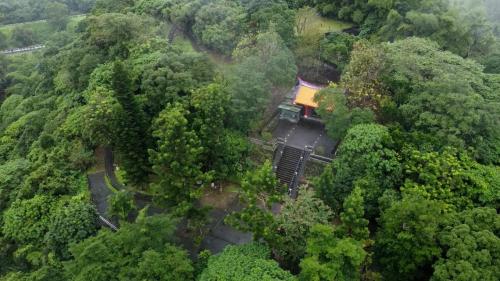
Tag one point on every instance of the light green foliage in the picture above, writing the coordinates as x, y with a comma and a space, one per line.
101, 114
365, 158
171, 264
70, 222
337, 115
362, 79
450, 177
27, 221
249, 262
331, 258
353, 222
473, 247
407, 241
120, 204
177, 159
139, 251
293, 225
12, 174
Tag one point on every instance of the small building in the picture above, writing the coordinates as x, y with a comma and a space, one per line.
302, 102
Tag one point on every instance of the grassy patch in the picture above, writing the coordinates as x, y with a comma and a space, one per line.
222, 197
314, 23
41, 29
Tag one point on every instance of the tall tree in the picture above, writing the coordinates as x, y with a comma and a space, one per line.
331, 258
177, 159
131, 128
353, 222
364, 158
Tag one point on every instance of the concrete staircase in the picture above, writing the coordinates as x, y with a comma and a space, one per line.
289, 165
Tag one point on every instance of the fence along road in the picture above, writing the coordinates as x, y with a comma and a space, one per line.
22, 50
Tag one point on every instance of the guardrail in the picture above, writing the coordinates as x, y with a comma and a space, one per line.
22, 50
108, 223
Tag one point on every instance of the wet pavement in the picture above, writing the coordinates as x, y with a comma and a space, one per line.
305, 133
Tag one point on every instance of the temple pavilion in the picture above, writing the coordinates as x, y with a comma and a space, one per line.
301, 103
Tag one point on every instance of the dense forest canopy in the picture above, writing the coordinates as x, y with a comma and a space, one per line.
156, 114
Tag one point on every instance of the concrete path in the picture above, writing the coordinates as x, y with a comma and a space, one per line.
305, 133
99, 191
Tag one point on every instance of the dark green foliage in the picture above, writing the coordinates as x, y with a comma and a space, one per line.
439, 98
219, 25
407, 242
129, 138
364, 158
250, 262
337, 115
336, 48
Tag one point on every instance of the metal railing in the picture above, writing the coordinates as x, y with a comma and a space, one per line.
22, 50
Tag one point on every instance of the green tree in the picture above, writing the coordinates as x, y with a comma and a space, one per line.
450, 177
57, 15
331, 258
219, 25
249, 262
261, 189
293, 225
353, 222
71, 222
177, 160
121, 203
22, 37
131, 128
250, 94
339, 118
407, 241
277, 61
27, 221
472, 247
364, 158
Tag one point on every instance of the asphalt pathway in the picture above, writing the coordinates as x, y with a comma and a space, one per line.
99, 191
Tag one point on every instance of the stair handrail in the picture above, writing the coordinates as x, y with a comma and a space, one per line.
294, 182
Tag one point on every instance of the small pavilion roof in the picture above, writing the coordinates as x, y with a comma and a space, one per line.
306, 93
